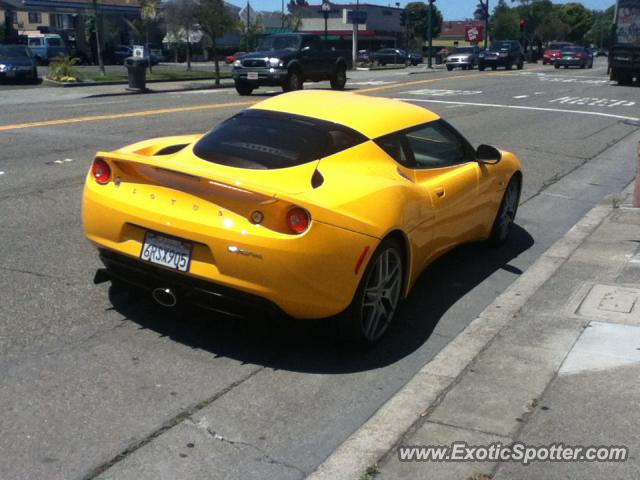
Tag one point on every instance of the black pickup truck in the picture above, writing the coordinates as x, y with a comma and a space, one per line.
288, 60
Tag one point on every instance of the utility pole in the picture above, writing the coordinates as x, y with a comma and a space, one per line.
282, 15
486, 23
430, 32
98, 43
248, 25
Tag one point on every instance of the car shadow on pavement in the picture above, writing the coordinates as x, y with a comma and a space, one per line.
312, 346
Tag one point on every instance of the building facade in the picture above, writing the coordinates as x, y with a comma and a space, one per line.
382, 27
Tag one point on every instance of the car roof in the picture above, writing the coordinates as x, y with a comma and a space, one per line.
371, 116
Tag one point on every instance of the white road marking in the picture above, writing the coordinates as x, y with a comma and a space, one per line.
60, 162
433, 92
522, 107
370, 82
593, 102
538, 93
1, 173
521, 96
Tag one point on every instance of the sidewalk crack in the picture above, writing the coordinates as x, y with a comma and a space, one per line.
266, 457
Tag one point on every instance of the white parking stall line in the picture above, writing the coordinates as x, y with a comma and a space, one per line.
521, 96
594, 102
1, 173
522, 107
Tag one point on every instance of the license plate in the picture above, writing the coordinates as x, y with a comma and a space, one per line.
252, 76
168, 252
568, 58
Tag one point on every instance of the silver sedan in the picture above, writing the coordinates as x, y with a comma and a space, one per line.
464, 57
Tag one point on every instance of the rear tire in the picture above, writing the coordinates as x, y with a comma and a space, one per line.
494, 67
481, 68
520, 65
556, 66
506, 213
376, 300
339, 79
243, 88
508, 66
449, 67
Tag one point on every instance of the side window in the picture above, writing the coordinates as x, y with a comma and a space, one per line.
394, 145
34, 42
436, 145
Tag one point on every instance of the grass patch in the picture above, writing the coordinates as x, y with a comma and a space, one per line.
164, 75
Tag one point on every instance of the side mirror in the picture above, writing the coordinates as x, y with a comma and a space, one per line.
488, 154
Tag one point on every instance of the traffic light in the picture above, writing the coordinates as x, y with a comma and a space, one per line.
522, 22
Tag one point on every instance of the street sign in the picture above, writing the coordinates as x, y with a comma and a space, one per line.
138, 51
356, 17
473, 33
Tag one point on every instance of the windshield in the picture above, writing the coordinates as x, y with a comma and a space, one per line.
465, 50
13, 51
500, 46
572, 49
557, 46
280, 42
262, 140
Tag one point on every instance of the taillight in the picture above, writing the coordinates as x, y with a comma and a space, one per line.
101, 171
298, 220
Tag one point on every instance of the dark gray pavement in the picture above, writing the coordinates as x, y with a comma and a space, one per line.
93, 374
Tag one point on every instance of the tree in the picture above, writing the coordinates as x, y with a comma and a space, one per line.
578, 18
417, 14
215, 20
504, 22
601, 32
97, 23
148, 17
181, 19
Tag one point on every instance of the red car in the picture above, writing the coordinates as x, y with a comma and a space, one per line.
552, 52
232, 58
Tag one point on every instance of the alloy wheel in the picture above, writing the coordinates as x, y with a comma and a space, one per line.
381, 294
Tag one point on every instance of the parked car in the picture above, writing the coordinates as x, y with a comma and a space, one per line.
506, 53
552, 52
363, 56
288, 60
229, 59
464, 57
123, 52
276, 209
392, 56
574, 57
17, 63
46, 46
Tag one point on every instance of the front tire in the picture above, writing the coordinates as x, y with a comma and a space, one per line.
243, 88
293, 81
377, 297
339, 79
506, 213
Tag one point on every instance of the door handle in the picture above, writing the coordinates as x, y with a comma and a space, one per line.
439, 191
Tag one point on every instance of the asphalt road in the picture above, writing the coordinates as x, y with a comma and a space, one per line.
101, 383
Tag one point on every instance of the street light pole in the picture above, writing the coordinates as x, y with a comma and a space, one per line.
430, 31
326, 8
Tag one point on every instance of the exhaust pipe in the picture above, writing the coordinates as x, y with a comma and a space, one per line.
164, 297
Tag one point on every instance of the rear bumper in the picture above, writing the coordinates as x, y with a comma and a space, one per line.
493, 62
307, 276
570, 63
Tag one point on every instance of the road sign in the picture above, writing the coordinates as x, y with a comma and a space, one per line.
356, 16
138, 51
473, 33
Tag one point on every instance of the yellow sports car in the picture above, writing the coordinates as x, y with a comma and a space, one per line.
311, 203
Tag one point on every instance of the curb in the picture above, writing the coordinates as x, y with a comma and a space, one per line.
367, 445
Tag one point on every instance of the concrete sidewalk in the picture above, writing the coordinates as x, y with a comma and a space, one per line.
555, 359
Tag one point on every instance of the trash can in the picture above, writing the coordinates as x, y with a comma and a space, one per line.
137, 72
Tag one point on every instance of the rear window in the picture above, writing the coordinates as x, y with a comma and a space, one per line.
54, 42
262, 140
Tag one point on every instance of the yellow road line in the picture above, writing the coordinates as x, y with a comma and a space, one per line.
215, 106
114, 116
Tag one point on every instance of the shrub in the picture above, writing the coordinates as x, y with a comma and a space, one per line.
61, 69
